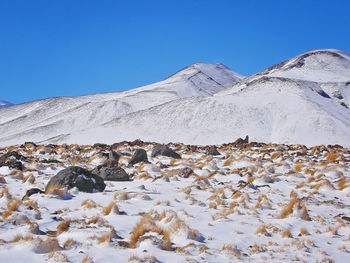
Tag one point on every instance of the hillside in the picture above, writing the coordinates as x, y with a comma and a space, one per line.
271, 106
44, 119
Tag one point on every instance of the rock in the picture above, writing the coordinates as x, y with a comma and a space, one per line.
46, 246
113, 156
164, 151
75, 176
212, 150
139, 156
240, 141
12, 160
114, 174
11, 164
185, 172
28, 145
32, 191
13, 156
101, 146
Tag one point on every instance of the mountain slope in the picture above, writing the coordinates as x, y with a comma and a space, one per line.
271, 106
44, 119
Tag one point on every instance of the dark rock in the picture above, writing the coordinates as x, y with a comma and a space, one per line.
113, 156
101, 146
81, 178
139, 156
50, 161
323, 94
114, 174
165, 151
185, 172
162, 165
14, 156
212, 150
13, 164
123, 154
240, 141
28, 143
32, 191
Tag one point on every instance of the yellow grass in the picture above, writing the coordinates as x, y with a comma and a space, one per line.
261, 230
63, 226
89, 204
56, 189
68, 243
276, 155
332, 156
104, 238
13, 204
228, 162
286, 233
288, 209
111, 207
303, 232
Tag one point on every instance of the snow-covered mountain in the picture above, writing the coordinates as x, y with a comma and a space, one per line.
57, 117
303, 100
4, 104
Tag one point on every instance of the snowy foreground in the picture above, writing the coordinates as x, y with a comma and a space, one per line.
252, 203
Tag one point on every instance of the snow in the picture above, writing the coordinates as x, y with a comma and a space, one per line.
211, 216
52, 117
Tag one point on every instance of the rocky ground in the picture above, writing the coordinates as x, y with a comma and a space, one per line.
140, 202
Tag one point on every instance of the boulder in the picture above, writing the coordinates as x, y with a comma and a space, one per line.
11, 164
212, 150
139, 156
241, 141
165, 151
12, 160
75, 176
185, 172
114, 174
112, 155
32, 191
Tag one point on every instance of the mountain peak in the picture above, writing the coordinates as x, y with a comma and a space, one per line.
319, 65
218, 72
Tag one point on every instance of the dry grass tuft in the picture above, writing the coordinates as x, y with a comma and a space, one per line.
276, 155
228, 162
56, 189
331, 157
261, 230
286, 233
89, 204
13, 204
288, 209
68, 243
111, 207
105, 238
343, 183
232, 249
87, 259
145, 225
63, 226
29, 177
303, 232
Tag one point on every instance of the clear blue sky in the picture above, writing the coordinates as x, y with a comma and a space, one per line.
70, 47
